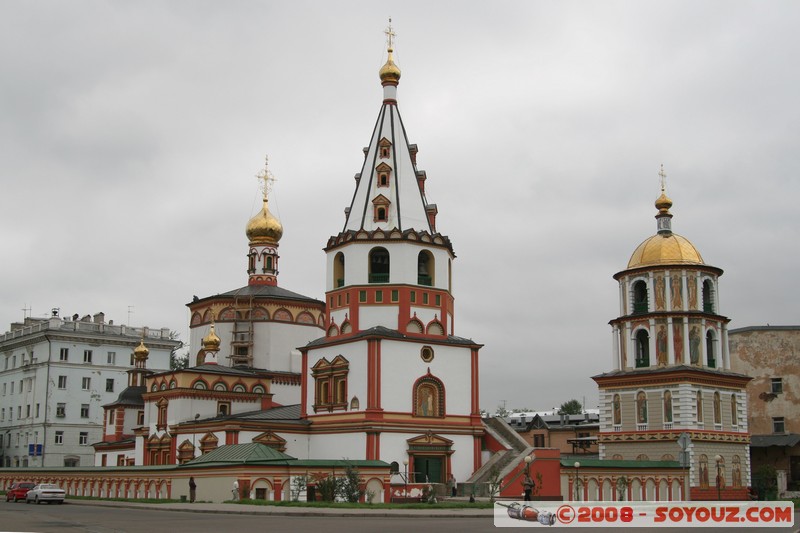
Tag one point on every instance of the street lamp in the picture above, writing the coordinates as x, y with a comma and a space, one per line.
577, 465
718, 459
405, 480
528, 483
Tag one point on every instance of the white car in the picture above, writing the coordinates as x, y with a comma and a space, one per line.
45, 492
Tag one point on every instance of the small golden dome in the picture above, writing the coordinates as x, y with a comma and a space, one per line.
264, 228
390, 72
665, 249
663, 203
211, 341
141, 352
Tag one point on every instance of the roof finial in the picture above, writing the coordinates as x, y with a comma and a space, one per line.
663, 176
266, 178
663, 203
389, 36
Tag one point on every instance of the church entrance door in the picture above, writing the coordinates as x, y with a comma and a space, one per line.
428, 469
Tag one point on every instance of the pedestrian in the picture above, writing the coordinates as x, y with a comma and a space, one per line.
528, 485
192, 489
235, 490
451, 482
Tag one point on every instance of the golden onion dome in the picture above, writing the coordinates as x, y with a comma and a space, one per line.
390, 72
211, 342
264, 228
665, 249
663, 203
141, 352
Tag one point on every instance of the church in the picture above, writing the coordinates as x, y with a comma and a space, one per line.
374, 373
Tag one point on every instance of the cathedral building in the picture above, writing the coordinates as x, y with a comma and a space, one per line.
672, 371
374, 373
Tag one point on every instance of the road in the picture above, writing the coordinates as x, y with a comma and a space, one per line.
74, 517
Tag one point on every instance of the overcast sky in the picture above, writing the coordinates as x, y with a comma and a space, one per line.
130, 134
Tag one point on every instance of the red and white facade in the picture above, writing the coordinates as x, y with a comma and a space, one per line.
389, 380
671, 372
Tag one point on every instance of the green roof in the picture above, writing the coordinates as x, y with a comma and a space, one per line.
610, 463
251, 453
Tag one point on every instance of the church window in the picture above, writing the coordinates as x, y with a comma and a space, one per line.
362, 296
668, 407
438, 300
354, 404
338, 270
384, 174
699, 407
251, 262
380, 206
424, 298
268, 264
140, 417
640, 297
703, 462
708, 297
220, 387
736, 471
384, 146
379, 265
395, 295
710, 349
435, 328
258, 389
617, 408
415, 326
642, 457
378, 296
330, 384
239, 388
428, 397
641, 408
223, 408
426, 353
162, 405
734, 411
413, 297
200, 385
425, 268
642, 348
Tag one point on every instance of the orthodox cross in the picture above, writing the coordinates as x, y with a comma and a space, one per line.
663, 176
266, 178
389, 34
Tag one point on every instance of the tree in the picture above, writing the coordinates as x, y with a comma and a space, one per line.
572, 407
501, 412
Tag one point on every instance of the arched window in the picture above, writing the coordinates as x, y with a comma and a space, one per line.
268, 264
379, 265
668, 407
330, 384
251, 262
425, 269
258, 389
640, 297
338, 270
736, 471
642, 457
699, 406
641, 408
220, 387
734, 411
617, 410
720, 472
642, 348
711, 344
703, 462
428, 396
239, 388
380, 215
717, 410
355, 404
708, 296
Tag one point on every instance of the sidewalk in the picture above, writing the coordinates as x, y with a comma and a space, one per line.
229, 508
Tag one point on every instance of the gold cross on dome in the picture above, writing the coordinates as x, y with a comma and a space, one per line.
663, 176
266, 178
389, 35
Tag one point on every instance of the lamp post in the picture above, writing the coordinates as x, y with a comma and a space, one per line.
528, 484
718, 459
405, 480
577, 465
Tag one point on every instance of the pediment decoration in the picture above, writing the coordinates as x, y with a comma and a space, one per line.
269, 438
